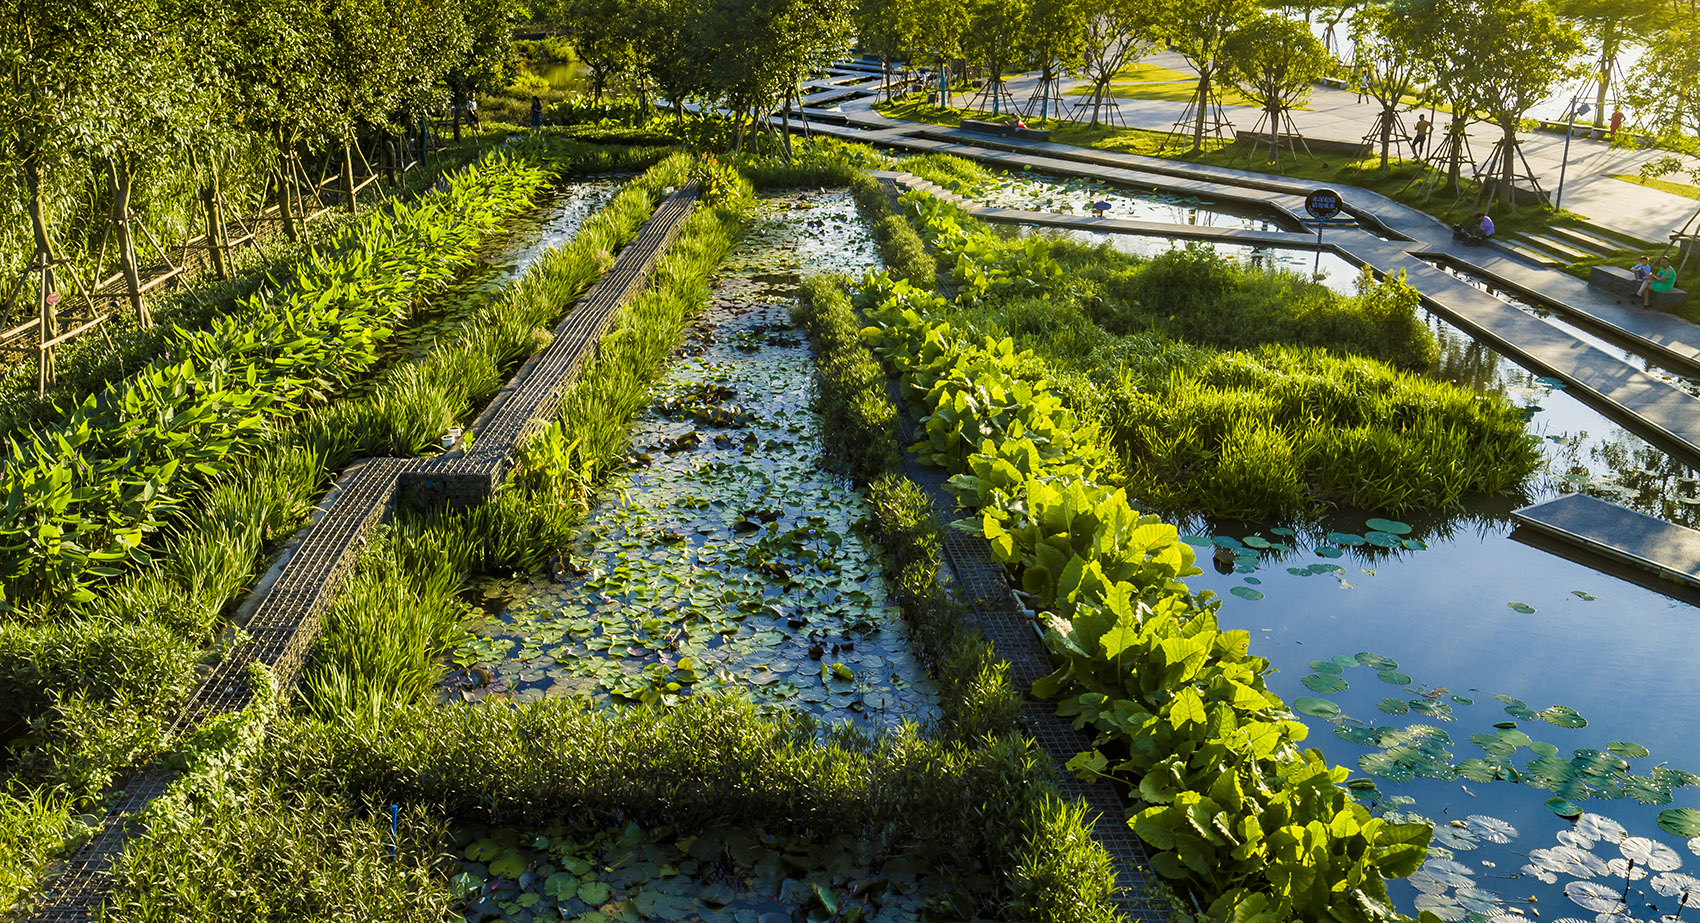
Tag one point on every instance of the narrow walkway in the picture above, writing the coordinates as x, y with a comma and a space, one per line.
1404, 241
287, 619
1670, 551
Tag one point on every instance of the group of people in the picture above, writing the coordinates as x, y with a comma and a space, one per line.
1654, 277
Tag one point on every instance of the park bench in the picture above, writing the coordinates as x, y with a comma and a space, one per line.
1621, 282
1004, 129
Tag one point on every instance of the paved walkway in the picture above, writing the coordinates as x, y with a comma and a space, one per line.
1404, 240
1336, 115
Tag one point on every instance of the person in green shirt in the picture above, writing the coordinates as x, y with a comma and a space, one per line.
1661, 279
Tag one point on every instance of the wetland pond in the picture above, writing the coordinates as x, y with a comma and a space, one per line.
725, 555
1537, 709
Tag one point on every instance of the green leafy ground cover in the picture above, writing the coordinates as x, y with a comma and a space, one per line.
976, 816
1260, 828
1234, 414
94, 686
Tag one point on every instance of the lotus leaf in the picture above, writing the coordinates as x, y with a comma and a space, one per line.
1315, 707
510, 865
1328, 551
1514, 737
1245, 592
594, 892
1324, 682
1446, 909
1414, 544
1493, 744
1524, 608
1388, 525
1394, 677
1563, 808
1650, 854
1345, 539
1325, 666
1382, 539
1491, 829
1601, 828
1646, 790
1683, 822
1198, 541
1586, 597
1375, 661
1358, 734
1393, 706
1626, 749
1563, 716
1455, 838
1477, 770
1678, 884
1255, 541
1594, 896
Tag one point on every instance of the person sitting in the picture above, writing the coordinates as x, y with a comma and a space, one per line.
1020, 124
1642, 269
1476, 231
1661, 279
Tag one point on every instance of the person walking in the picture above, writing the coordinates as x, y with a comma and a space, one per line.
1616, 121
1662, 279
472, 112
536, 114
1363, 86
1420, 140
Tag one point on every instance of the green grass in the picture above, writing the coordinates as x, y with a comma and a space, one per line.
1685, 190
1234, 392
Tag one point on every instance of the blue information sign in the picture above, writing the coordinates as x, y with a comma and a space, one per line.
1323, 204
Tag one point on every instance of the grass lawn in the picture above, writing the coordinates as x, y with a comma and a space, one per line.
1662, 185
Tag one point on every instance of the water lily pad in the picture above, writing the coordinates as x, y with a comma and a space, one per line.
1650, 854
1388, 525
1256, 541
1375, 661
1245, 592
1281, 530
1586, 597
594, 892
1226, 541
1594, 896
1386, 766
1393, 706
1254, 581
1358, 734
1198, 541
1347, 539
1315, 707
1563, 716
1413, 544
1683, 822
1562, 807
1382, 539
1491, 829
1324, 682
1678, 884
1524, 608
1394, 677
1325, 666
1626, 749
1601, 827
1328, 551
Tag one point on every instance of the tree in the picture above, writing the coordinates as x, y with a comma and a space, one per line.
997, 36
668, 37
1516, 51
1199, 30
1665, 85
1386, 54
489, 57
883, 30
1056, 31
1114, 34
1274, 61
1440, 31
602, 35
1610, 23
935, 27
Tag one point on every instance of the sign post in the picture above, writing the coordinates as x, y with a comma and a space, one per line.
1322, 204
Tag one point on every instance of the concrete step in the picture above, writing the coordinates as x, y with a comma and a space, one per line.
1521, 245
1616, 240
1563, 250
1593, 242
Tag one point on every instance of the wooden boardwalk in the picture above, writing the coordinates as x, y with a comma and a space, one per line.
1671, 551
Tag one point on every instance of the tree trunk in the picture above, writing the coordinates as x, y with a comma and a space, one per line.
785, 120
118, 184
47, 311
1455, 164
215, 226
1608, 58
459, 104
1388, 112
1507, 167
1203, 95
286, 199
348, 172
